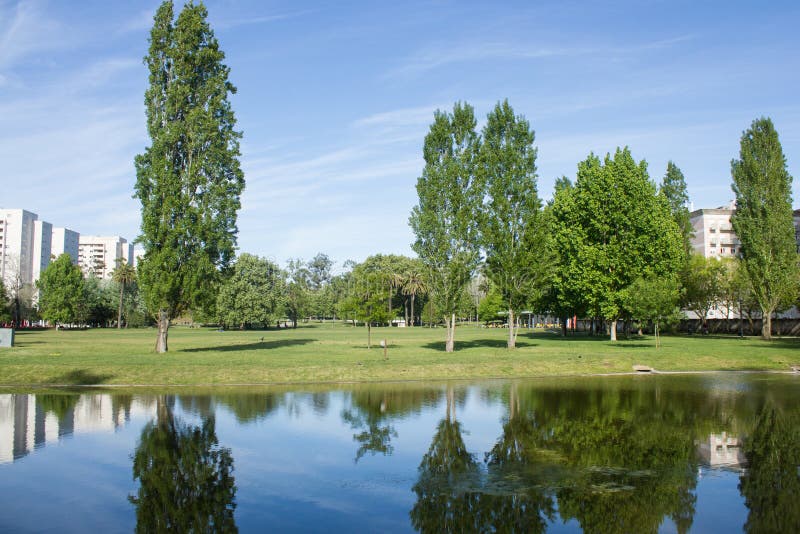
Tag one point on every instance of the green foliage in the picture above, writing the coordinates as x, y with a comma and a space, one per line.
253, 295
490, 306
297, 291
188, 180
97, 306
511, 222
61, 291
610, 229
703, 280
444, 221
5, 308
673, 189
654, 299
370, 296
763, 218
124, 275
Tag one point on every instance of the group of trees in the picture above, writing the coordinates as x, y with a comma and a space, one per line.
612, 245
67, 297
478, 194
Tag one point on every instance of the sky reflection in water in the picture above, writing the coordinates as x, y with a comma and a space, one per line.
628, 454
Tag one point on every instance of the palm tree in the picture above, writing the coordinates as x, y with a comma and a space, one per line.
413, 284
123, 274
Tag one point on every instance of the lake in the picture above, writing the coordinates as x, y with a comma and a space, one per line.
681, 453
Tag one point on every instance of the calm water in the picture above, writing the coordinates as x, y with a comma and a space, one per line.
710, 453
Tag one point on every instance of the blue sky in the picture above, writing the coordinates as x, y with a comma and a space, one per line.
335, 99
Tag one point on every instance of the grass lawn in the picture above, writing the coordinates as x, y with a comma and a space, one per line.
338, 353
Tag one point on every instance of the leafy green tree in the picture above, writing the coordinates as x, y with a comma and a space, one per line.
297, 292
444, 221
61, 291
186, 481
414, 284
763, 219
369, 293
5, 311
654, 299
490, 306
703, 281
188, 180
611, 228
124, 275
673, 189
252, 295
511, 222
742, 288
561, 297
319, 271
97, 306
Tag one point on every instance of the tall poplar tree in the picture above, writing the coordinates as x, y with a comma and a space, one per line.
444, 221
763, 218
673, 188
188, 180
511, 222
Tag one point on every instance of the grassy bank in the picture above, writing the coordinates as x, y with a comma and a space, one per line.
329, 353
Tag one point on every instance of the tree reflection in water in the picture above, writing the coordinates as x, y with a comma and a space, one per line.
771, 484
614, 461
446, 501
186, 481
372, 410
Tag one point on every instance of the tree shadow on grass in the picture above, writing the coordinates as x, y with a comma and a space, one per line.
780, 343
478, 343
552, 335
259, 345
79, 377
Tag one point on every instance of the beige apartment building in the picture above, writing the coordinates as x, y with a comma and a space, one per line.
713, 233
98, 255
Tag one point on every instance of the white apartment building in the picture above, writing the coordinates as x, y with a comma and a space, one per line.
713, 233
99, 254
65, 241
17, 232
714, 238
42, 247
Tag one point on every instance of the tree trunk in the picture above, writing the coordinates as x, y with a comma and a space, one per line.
512, 338
655, 330
119, 311
613, 329
450, 324
369, 335
411, 324
766, 324
564, 326
163, 329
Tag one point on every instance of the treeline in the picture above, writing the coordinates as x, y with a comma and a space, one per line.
612, 246
64, 295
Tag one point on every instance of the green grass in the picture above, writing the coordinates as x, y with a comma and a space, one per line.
338, 353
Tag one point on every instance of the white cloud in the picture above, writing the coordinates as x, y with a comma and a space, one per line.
442, 54
26, 29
